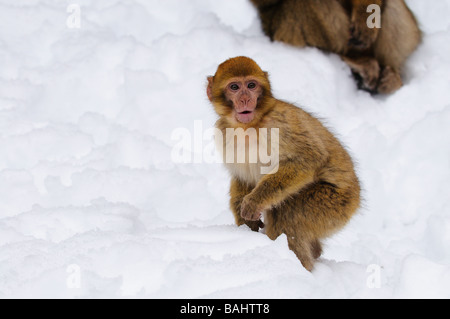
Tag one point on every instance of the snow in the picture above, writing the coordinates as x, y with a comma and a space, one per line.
93, 204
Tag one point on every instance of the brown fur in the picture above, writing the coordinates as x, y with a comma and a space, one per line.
340, 26
315, 191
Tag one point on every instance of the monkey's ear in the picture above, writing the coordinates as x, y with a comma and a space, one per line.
209, 88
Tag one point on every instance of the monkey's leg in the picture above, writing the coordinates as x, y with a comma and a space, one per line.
303, 249
282, 220
316, 212
366, 70
399, 37
316, 249
238, 191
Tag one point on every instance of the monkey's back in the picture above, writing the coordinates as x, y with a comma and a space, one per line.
318, 23
333, 197
312, 142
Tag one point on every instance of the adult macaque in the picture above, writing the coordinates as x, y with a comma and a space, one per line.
375, 54
312, 192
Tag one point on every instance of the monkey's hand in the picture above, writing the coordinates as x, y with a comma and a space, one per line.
250, 209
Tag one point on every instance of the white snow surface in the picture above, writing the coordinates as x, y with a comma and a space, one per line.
92, 204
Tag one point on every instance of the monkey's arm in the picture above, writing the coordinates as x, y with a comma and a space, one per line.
361, 35
238, 191
273, 189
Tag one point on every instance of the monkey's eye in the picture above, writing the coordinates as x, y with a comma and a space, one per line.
251, 85
234, 87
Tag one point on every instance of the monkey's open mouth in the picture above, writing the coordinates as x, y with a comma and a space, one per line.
245, 117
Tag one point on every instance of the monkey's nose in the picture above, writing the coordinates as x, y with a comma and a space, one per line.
245, 101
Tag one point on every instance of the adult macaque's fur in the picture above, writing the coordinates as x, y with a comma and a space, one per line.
376, 56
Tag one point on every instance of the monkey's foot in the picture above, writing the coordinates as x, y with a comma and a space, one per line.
255, 225
390, 81
368, 75
366, 71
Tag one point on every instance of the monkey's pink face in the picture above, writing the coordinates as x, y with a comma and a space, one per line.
243, 93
